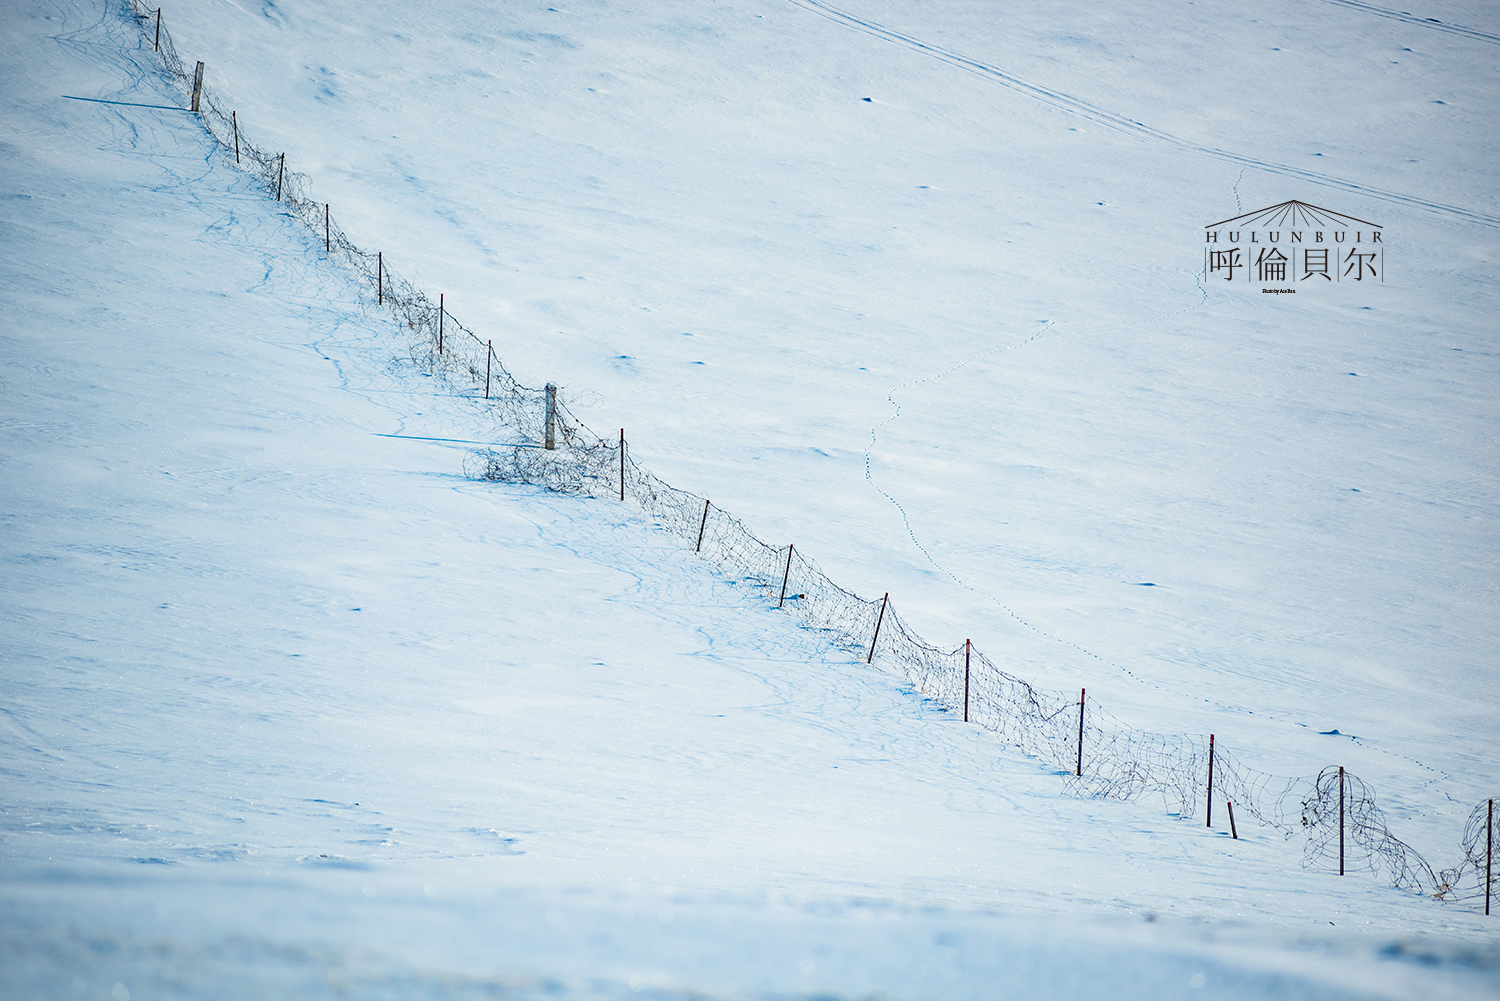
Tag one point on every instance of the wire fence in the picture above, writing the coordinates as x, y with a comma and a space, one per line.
1335, 813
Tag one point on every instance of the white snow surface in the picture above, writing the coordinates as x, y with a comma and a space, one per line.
290, 708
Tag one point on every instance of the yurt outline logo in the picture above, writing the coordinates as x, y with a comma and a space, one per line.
1291, 243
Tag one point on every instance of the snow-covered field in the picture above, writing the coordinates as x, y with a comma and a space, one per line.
290, 708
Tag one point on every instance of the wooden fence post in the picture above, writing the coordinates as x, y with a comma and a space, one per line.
1489, 849
197, 84
280, 169
234, 119
701, 526
380, 277
622, 465
327, 231
786, 576
489, 353
870, 659
440, 322
1083, 694
158, 30
1341, 820
1234, 831
550, 443
1210, 821
967, 647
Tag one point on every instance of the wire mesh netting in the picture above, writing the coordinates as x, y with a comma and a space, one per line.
1335, 812
1472, 880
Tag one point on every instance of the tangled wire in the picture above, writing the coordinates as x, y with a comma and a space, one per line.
1336, 812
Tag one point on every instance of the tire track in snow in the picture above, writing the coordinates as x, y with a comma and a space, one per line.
1421, 22
1120, 123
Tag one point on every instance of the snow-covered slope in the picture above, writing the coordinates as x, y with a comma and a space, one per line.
291, 707
988, 304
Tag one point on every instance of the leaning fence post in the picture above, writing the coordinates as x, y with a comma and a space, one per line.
701, 526
787, 575
280, 169
622, 465
1234, 831
440, 322
550, 442
157, 47
327, 232
1082, 700
870, 659
197, 84
489, 352
1341, 820
234, 119
1489, 849
1210, 821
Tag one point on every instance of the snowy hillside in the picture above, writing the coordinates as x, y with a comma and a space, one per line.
292, 707
687, 215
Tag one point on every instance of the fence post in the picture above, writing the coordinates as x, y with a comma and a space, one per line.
197, 84
550, 442
380, 278
158, 30
1232, 829
234, 119
1489, 848
622, 465
1082, 701
967, 646
701, 526
786, 576
280, 169
870, 659
440, 322
327, 232
1210, 821
1341, 820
